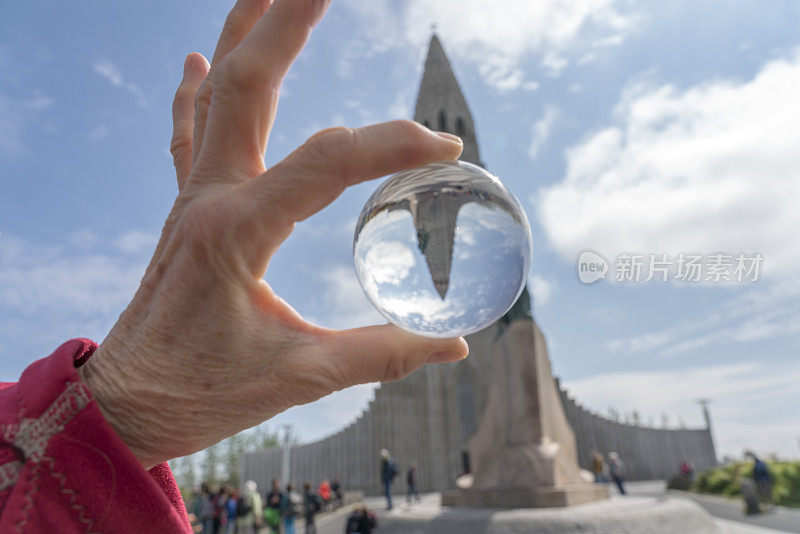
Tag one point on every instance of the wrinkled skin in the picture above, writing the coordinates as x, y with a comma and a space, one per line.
206, 348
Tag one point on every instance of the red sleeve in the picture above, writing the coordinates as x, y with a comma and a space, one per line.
64, 469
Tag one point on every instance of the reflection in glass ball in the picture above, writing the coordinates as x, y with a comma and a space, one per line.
442, 250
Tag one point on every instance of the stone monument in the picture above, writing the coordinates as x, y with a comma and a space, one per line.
523, 454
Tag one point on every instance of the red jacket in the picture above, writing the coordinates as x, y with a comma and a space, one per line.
64, 469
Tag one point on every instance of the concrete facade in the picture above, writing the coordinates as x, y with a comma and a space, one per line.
430, 416
420, 419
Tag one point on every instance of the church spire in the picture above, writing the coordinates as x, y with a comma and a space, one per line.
441, 104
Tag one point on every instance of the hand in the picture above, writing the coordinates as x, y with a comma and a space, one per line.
206, 348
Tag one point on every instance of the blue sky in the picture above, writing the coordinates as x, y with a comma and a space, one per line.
621, 126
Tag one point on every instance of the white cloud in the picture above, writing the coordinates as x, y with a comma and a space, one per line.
542, 290
343, 296
112, 74
109, 71
49, 294
37, 279
751, 402
498, 37
757, 314
38, 101
712, 168
388, 262
542, 129
17, 116
135, 241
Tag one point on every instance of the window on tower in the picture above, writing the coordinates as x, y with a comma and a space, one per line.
442, 121
460, 126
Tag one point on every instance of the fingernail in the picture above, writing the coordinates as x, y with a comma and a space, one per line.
186, 65
450, 137
445, 357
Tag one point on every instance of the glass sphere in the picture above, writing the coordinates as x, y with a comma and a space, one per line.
442, 250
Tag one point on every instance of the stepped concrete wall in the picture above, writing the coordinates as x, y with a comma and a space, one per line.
425, 418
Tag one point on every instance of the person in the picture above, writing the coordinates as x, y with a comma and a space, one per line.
220, 510
599, 467
206, 513
110, 416
290, 502
617, 469
324, 492
249, 511
360, 521
272, 510
338, 492
388, 472
687, 470
311, 507
230, 527
411, 482
763, 480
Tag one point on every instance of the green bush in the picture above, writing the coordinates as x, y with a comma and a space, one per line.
727, 481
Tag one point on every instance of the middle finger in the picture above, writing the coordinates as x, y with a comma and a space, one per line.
247, 83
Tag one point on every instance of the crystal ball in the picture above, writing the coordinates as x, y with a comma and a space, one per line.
442, 250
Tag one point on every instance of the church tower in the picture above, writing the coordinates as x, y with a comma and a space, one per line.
441, 104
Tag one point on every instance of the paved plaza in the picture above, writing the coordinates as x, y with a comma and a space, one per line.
726, 516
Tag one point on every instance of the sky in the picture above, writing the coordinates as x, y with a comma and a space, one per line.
632, 129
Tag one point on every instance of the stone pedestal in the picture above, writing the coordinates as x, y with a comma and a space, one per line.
523, 454
525, 497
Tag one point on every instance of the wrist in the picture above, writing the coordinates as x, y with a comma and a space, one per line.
113, 391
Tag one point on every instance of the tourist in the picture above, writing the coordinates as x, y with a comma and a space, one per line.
411, 482
204, 324
230, 527
687, 470
272, 507
311, 507
763, 480
599, 467
324, 492
249, 511
336, 488
290, 504
206, 512
388, 472
361, 521
220, 510
617, 469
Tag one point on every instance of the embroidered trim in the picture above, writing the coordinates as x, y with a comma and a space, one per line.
62, 481
9, 432
9, 473
32, 435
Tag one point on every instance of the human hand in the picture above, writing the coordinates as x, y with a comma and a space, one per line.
206, 348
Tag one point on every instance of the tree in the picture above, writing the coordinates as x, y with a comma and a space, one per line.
211, 464
613, 414
187, 473
234, 448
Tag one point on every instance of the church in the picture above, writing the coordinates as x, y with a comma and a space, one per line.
430, 416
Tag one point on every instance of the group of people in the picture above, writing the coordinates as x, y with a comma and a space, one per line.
246, 511
613, 471
389, 471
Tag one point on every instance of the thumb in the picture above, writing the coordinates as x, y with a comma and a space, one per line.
386, 353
